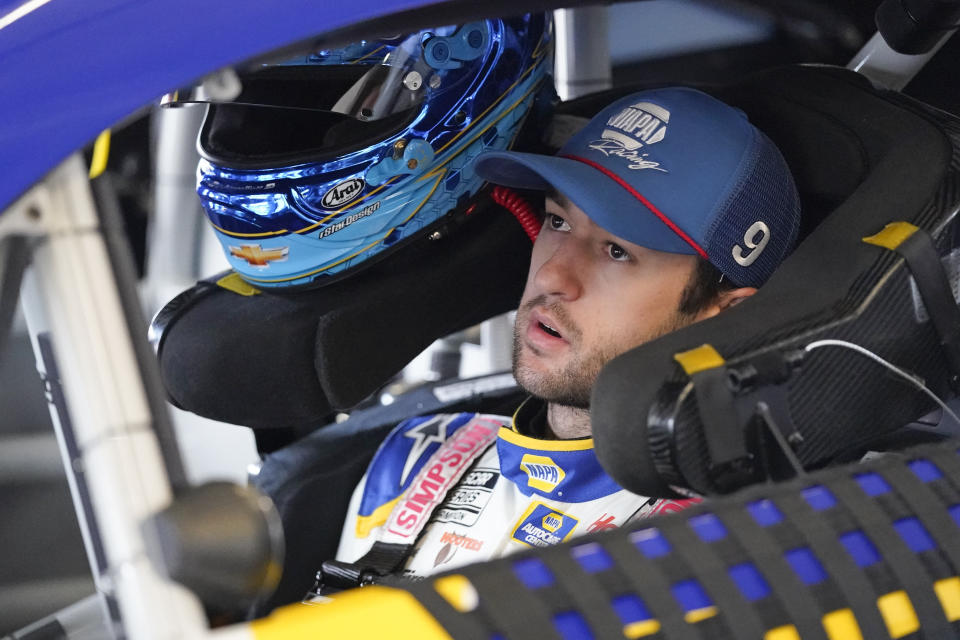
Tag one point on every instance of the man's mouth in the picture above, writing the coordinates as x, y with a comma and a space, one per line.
544, 330
549, 330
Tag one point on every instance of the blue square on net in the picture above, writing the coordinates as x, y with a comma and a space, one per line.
630, 608
955, 514
533, 573
571, 626
872, 484
860, 548
691, 595
650, 542
708, 527
592, 557
748, 579
806, 565
764, 512
925, 470
914, 534
819, 497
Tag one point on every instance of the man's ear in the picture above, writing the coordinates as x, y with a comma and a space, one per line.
733, 297
725, 300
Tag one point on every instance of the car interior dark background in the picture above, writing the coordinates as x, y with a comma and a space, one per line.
728, 48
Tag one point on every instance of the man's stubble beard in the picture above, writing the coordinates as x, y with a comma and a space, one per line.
572, 384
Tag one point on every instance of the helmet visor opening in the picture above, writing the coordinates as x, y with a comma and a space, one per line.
365, 92
252, 137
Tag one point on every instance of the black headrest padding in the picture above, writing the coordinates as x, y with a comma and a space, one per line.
290, 360
819, 281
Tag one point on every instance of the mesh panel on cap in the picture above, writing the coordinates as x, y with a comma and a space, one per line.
765, 193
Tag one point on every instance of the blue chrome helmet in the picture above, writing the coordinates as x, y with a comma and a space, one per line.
319, 164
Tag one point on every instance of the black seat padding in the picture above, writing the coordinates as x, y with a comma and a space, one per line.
827, 157
862, 158
293, 360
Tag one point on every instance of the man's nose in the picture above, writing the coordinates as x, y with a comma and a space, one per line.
562, 273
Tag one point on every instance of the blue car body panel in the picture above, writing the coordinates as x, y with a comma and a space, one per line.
69, 69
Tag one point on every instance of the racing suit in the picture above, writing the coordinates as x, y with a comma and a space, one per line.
463, 488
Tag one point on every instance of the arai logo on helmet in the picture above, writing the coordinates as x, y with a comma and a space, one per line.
342, 193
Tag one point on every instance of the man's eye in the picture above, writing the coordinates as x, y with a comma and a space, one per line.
557, 223
617, 252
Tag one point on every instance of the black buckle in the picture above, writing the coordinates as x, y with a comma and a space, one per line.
335, 576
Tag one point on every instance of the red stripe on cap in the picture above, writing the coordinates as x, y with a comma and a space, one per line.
649, 205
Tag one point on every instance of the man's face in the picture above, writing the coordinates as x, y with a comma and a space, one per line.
590, 296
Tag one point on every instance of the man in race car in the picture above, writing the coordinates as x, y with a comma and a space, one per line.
667, 208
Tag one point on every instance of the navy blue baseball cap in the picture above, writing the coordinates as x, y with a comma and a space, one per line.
673, 170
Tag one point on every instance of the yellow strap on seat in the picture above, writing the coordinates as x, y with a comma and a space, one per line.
842, 625
898, 613
892, 235
786, 632
698, 615
458, 591
700, 359
641, 628
233, 282
948, 591
369, 612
